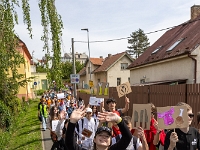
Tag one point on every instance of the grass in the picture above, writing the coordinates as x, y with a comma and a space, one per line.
27, 134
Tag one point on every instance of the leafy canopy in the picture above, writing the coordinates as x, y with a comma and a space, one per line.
138, 43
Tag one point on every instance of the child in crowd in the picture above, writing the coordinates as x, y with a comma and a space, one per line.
183, 138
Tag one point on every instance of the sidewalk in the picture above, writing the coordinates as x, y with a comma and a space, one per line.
46, 139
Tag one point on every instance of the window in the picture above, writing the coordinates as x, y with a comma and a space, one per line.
118, 81
88, 70
174, 45
142, 81
124, 66
157, 49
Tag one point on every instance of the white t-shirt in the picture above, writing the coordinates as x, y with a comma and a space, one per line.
130, 146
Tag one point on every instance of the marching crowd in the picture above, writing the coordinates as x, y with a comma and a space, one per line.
80, 126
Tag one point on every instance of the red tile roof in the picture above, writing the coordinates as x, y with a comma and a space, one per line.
188, 31
96, 61
109, 61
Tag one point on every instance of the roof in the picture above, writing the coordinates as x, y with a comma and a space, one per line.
25, 49
82, 71
188, 32
96, 61
109, 61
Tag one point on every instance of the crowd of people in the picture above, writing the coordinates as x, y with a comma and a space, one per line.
80, 126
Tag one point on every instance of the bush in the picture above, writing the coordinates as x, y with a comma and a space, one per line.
40, 92
5, 116
15, 105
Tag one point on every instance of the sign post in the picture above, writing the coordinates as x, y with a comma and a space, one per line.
74, 79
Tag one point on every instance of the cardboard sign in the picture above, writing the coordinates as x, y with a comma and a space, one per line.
103, 90
60, 95
124, 89
141, 116
87, 133
95, 101
54, 124
171, 117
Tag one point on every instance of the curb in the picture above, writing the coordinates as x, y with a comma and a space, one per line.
42, 137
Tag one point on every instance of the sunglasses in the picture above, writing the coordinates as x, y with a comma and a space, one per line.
103, 128
191, 115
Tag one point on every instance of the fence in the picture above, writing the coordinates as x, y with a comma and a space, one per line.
159, 95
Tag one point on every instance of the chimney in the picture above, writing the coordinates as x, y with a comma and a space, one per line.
101, 57
109, 55
195, 11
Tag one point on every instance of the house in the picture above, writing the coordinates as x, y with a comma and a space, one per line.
40, 79
25, 69
81, 57
173, 58
112, 69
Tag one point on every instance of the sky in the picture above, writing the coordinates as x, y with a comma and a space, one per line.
105, 20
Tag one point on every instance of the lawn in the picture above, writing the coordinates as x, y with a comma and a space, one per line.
27, 135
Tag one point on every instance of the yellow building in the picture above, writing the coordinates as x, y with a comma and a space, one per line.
26, 70
39, 82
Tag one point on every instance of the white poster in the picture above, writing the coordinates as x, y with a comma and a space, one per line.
60, 95
95, 101
54, 124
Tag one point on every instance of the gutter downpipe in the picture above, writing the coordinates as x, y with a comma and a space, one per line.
195, 67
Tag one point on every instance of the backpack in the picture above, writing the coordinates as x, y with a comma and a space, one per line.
82, 121
134, 140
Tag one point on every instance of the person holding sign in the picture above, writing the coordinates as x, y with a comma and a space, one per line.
183, 138
112, 106
154, 136
103, 135
135, 143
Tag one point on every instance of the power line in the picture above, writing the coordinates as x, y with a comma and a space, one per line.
145, 33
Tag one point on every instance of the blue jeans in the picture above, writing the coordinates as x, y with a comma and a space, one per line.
44, 122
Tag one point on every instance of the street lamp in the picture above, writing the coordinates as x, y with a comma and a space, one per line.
86, 29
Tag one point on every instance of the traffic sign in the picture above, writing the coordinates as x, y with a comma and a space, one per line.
74, 78
91, 83
35, 83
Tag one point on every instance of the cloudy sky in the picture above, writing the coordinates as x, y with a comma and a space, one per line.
106, 20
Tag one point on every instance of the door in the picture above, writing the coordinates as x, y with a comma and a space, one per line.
44, 84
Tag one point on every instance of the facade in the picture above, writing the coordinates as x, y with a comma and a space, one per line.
112, 69
174, 57
40, 81
26, 70
81, 57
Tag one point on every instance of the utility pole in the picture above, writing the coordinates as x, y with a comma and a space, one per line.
74, 66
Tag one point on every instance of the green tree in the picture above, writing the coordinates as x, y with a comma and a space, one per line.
67, 69
11, 59
139, 42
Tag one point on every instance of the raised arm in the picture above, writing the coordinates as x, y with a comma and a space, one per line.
126, 107
126, 134
70, 141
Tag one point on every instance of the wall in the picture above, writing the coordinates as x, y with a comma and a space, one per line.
182, 68
116, 72
38, 78
26, 70
159, 95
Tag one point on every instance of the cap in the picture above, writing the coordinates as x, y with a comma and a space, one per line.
104, 128
88, 110
110, 100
